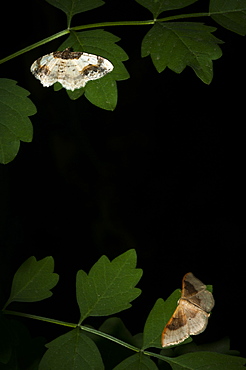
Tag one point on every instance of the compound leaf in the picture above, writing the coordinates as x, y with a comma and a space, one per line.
158, 6
15, 125
33, 280
103, 94
231, 14
73, 350
137, 361
179, 44
109, 287
72, 7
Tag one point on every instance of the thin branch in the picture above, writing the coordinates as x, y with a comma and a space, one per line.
33, 46
40, 318
102, 24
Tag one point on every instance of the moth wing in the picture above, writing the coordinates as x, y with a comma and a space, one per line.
197, 319
176, 330
196, 292
45, 69
204, 300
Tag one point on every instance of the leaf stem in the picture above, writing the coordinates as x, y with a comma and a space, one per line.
35, 45
102, 24
183, 16
110, 337
113, 24
40, 318
88, 329
124, 344
139, 23
71, 325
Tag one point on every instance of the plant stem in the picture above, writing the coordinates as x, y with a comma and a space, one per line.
183, 16
40, 318
71, 325
88, 329
110, 337
139, 23
97, 25
33, 46
113, 24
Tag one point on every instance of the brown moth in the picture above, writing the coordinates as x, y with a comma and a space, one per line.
192, 313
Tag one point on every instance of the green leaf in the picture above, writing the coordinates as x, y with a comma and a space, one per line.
109, 287
33, 280
206, 360
102, 92
158, 6
180, 44
73, 95
154, 325
15, 125
72, 7
231, 14
76, 94
138, 361
72, 351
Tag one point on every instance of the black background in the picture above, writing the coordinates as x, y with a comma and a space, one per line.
163, 173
